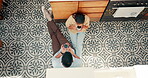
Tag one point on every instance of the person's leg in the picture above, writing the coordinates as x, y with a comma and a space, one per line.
73, 37
59, 35
80, 38
55, 43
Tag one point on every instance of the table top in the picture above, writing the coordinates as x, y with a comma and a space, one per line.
77, 72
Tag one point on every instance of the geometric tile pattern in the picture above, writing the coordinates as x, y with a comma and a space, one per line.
27, 47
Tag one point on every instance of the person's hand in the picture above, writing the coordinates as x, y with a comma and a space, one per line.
67, 44
84, 27
77, 57
72, 27
71, 51
63, 49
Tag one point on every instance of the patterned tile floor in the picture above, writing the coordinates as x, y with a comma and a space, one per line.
27, 44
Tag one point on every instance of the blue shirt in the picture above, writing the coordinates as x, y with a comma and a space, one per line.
56, 62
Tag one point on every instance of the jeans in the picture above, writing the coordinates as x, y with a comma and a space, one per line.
77, 41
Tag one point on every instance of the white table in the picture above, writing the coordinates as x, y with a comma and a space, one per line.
138, 71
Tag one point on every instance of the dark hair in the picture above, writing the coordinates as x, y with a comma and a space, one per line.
67, 59
79, 18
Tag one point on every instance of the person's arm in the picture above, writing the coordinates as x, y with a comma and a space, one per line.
70, 23
87, 21
76, 56
58, 56
61, 53
72, 52
86, 24
73, 27
84, 28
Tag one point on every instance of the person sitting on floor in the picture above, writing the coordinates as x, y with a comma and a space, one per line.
63, 54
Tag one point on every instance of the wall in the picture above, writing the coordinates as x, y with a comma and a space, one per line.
27, 44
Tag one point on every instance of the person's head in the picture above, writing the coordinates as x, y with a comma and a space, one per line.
79, 18
67, 59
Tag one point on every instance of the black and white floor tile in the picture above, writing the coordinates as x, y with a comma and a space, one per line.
27, 48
